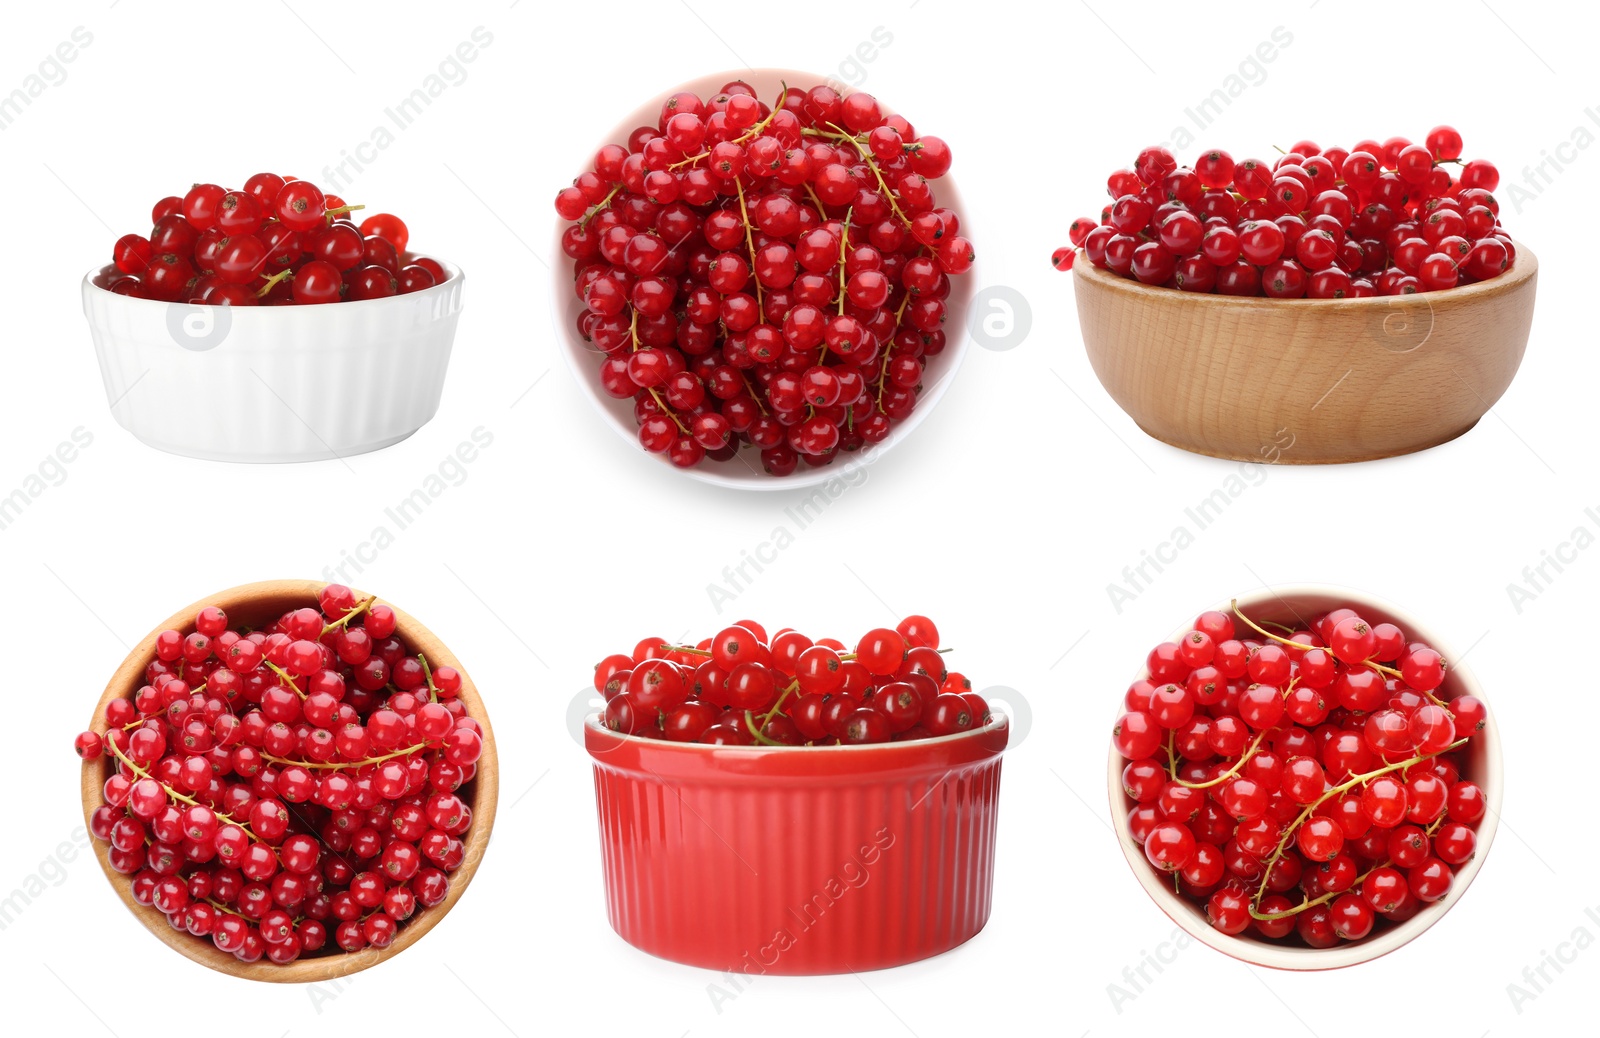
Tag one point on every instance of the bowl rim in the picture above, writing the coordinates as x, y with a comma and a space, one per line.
1523, 269
454, 275
1294, 957
957, 338
997, 723
484, 800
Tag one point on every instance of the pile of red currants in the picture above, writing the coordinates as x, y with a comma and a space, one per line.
291, 791
773, 276
741, 689
276, 240
1374, 220
1304, 785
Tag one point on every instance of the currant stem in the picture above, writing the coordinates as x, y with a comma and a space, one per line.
754, 395
427, 675
285, 274
748, 135
872, 164
341, 210
1302, 646
655, 394
822, 210
594, 210
285, 676
750, 242
770, 714
1238, 765
1321, 899
342, 765
883, 370
1334, 791
355, 611
173, 793
844, 245
760, 736
219, 906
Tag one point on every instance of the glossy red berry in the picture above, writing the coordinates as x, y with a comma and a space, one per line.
275, 794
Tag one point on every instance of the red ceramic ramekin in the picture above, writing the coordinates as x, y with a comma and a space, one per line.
798, 860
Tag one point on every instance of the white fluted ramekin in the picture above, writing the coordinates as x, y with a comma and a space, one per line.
274, 383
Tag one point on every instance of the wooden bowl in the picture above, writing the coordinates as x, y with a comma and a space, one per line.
257, 604
1482, 764
1305, 381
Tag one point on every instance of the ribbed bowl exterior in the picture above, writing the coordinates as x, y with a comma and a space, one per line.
274, 384
798, 860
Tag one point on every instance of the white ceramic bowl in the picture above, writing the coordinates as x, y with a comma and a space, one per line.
1301, 603
744, 471
274, 383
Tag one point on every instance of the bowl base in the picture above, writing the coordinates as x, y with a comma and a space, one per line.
1289, 457
786, 967
321, 454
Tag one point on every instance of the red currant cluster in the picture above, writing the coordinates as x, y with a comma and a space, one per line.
1376, 220
272, 785
1303, 783
740, 689
276, 240
775, 276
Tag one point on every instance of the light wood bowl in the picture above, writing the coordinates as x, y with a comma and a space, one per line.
1305, 381
1482, 763
258, 604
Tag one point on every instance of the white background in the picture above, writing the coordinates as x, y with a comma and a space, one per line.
1005, 517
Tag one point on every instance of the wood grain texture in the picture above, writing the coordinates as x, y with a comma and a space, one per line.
1305, 381
255, 605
